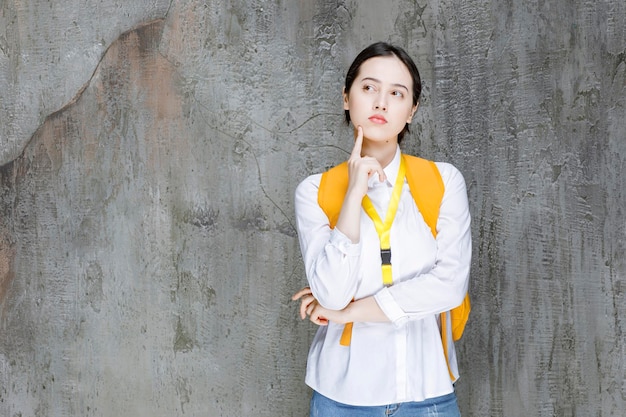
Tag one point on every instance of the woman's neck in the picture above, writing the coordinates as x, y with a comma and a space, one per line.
382, 151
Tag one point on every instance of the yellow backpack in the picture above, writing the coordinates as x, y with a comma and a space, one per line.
427, 190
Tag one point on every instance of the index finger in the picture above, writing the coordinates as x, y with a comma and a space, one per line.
358, 143
304, 291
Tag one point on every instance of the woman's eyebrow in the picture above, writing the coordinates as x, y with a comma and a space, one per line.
376, 80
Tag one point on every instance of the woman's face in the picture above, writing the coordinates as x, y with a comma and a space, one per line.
380, 99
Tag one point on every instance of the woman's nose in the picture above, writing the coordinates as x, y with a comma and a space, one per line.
380, 104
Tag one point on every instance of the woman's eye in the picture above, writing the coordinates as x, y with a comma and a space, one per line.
368, 88
397, 93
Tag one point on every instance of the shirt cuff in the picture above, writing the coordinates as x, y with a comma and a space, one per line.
389, 306
344, 244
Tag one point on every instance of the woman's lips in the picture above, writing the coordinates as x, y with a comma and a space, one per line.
378, 119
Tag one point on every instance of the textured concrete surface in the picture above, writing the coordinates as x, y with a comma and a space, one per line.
48, 52
148, 157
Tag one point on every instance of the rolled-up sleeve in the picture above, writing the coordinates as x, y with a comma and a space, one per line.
445, 285
331, 260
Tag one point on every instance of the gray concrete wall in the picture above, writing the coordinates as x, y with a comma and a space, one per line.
149, 151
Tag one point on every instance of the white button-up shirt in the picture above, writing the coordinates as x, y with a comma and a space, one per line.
402, 360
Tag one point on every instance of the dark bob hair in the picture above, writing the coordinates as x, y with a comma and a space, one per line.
385, 49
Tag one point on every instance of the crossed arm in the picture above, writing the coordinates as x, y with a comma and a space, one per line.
365, 309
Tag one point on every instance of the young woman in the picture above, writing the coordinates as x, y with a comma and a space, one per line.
378, 350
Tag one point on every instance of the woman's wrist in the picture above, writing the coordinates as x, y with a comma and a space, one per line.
365, 309
349, 221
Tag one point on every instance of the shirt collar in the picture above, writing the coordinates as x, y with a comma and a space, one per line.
391, 171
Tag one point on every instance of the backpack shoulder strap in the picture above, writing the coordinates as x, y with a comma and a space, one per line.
333, 187
426, 188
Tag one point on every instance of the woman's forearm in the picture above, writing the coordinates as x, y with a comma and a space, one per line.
365, 310
349, 221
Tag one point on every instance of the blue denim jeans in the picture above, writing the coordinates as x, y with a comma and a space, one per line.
444, 406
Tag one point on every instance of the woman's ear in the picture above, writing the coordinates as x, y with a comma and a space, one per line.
346, 101
412, 113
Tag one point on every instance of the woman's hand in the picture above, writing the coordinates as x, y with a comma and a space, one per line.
317, 314
305, 295
361, 168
